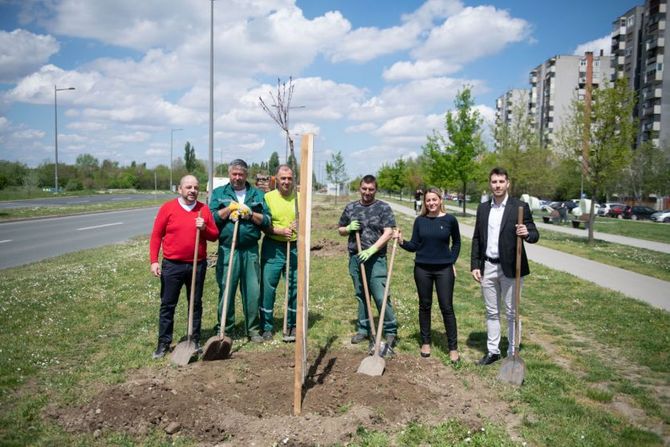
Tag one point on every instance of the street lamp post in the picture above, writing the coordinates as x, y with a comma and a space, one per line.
581, 170
172, 131
210, 180
56, 90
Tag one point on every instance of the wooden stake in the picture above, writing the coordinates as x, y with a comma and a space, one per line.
304, 241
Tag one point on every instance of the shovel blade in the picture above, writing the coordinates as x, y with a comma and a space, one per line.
512, 370
183, 353
217, 348
373, 365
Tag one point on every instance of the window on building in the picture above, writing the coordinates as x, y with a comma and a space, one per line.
630, 21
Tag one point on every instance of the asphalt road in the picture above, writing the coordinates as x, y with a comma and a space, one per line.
29, 241
76, 200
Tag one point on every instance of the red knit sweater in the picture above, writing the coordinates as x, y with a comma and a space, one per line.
174, 230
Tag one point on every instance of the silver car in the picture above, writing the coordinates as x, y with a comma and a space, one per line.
661, 216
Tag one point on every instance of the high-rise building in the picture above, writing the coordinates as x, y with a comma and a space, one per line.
559, 81
507, 104
638, 45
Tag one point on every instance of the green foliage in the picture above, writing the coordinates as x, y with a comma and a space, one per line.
648, 172
273, 163
190, 161
453, 162
336, 171
12, 173
393, 178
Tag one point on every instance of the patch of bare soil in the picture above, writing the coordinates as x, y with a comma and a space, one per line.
324, 248
248, 399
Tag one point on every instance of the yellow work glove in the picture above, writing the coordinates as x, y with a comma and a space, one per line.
234, 206
234, 216
365, 254
245, 211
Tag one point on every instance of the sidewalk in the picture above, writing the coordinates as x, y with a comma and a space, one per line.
644, 288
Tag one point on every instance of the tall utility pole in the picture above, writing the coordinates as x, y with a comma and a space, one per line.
587, 116
56, 90
172, 131
210, 181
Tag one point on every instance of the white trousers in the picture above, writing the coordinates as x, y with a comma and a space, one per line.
498, 293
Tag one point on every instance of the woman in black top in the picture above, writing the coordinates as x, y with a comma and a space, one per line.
436, 239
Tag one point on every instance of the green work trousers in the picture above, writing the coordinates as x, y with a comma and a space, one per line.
273, 266
246, 273
375, 269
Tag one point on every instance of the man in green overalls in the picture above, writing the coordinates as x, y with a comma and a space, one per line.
239, 200
281, 203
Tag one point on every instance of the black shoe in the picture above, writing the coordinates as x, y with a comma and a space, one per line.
256, 338
198, 348
391, 340
162, 349
267, 335
290, 337
359, 337
488, 359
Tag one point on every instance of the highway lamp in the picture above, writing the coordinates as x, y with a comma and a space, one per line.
56, 90
210, 180
172, 131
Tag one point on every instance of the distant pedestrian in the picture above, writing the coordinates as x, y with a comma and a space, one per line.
493, 258
174, 233
436, 239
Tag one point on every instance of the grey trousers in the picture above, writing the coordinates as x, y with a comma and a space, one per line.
498, 293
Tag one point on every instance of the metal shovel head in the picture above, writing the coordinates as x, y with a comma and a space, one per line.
217, 348
373, 365
512, 370
184, 352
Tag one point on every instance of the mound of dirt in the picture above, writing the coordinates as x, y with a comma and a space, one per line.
248, 400
323, 248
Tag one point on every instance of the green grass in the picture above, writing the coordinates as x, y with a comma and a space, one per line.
78, 322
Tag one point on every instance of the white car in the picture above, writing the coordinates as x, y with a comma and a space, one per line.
661, 216
605, 208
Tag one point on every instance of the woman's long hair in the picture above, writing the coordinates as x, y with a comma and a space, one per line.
439, 193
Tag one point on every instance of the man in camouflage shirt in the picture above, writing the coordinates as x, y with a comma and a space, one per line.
375, 221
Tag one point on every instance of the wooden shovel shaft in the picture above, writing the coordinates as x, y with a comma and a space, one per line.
191, 301
382, 311
226, 291
517, 285
366, 290
287, 275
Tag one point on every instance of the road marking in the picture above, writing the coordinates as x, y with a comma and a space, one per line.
6, 240
100, 226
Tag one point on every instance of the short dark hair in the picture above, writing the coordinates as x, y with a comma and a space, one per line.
238, 163
499, 171
369, 179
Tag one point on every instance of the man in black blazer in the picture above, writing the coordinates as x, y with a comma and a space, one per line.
493, 257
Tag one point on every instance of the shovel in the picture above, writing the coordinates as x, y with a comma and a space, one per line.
513, 368
366, 290
375, 364
186, 350
218, 347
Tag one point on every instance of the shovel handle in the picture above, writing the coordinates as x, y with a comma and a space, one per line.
366, 290
517, 284
382, 311
226, 291
191, 301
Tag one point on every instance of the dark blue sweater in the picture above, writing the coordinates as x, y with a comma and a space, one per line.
431, 237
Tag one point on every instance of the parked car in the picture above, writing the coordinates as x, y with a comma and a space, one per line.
617, 210
605, 208
638, 212
661, 216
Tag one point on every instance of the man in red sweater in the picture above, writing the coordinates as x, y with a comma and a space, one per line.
174, 232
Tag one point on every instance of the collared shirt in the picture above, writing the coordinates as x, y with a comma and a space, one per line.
495, 220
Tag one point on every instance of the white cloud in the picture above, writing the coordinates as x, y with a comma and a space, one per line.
361, 128
473, 33
419, 70
603, 44
22, 52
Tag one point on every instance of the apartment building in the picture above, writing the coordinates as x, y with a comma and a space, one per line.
639, 39
506, 106
557, 82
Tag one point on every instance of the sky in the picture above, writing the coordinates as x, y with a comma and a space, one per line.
372, 78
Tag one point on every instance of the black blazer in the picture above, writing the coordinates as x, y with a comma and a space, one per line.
507, 239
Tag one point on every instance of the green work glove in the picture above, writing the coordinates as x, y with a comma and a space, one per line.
353, 226
365, 254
